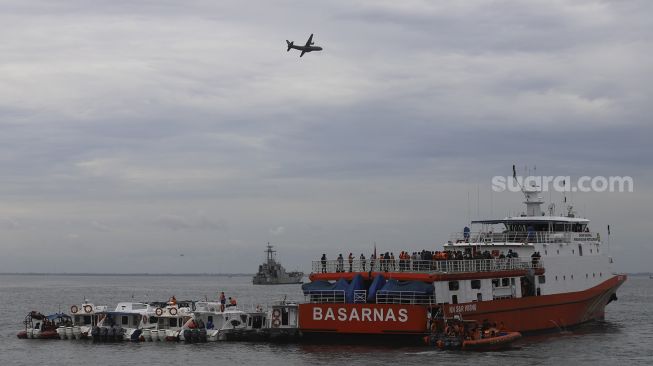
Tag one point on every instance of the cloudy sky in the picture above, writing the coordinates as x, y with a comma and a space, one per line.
137, 131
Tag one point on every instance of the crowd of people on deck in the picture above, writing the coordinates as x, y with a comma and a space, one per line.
417, 260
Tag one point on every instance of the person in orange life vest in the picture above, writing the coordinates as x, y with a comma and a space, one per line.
232, 302
173, 300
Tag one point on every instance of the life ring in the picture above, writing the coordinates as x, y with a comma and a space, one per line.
88, 308
173, 311
74, 309
158, 311
276, 323
276, 313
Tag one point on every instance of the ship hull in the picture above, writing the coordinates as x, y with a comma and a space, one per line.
526, 315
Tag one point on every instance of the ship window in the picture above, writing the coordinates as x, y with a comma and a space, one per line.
124, 320
587, 275
284, 316
556, 278
453, 286
504, 282
210, 318
546, 252
476, 284
572, 277
590, 250
573, 252
479, 296
153, 320
87, 319
564, 278
558, 251
593, 274
541, 279
454, 299
601, 274
173, 322
495, 282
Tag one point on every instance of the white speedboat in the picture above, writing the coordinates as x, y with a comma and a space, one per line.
168, 321
221, 325
84, 318
126, 322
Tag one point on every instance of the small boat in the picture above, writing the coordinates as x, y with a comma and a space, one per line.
126, 322
501, 340
84, 318
39, 326
221, 324
457, 334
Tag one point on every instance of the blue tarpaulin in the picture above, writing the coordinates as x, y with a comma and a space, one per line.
317, 287
356, 284
408, 286
378, 283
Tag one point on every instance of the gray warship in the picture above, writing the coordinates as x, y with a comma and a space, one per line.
272, 273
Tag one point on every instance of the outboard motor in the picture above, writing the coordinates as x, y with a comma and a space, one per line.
95, 334
136, 336
188, 336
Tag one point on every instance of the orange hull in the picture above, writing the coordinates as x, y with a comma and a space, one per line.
527, 314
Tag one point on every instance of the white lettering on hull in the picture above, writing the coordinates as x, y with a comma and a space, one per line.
457, 309
364, 315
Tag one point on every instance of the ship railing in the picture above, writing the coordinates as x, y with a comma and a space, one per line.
328, 296
427, 266
523, 237
403, 297
360, 296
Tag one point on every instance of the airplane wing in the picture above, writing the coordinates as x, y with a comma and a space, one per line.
310, 40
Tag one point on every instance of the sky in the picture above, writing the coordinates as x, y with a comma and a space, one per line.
135, 132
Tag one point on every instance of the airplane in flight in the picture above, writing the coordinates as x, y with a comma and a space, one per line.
306, 48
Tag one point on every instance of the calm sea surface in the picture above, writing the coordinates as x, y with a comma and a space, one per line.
624, 338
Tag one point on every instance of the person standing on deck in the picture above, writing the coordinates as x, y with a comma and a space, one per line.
341, 263
363, 262
324, 263
351, 261
223, 301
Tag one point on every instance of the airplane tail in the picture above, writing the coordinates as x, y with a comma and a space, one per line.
289, 44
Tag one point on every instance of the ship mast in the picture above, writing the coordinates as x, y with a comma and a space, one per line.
270, 253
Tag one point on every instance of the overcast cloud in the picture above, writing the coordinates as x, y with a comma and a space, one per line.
137, 131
